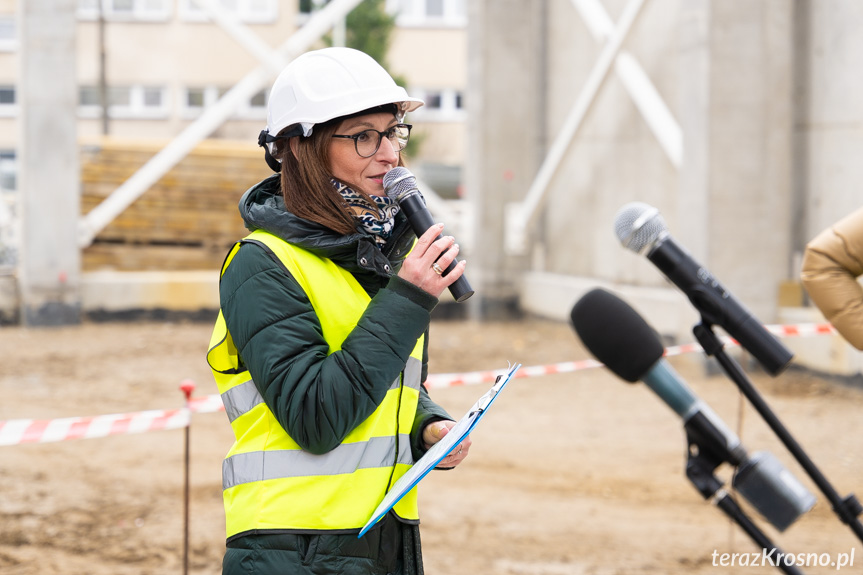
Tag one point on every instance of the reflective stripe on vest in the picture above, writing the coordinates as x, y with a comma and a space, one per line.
348, 457
269, 482
242, 398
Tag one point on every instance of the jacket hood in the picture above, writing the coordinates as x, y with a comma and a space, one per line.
262, 208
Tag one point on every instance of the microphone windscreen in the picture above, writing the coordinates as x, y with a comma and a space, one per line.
616, 335
398, 182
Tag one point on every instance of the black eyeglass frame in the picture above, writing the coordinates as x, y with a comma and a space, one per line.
381, 135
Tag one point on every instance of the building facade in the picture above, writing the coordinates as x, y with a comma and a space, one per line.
161, 63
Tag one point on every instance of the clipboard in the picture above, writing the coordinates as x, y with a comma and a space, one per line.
439, 450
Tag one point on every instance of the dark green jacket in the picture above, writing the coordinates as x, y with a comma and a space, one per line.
319, 398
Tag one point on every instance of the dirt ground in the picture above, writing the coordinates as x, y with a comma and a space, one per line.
576, 473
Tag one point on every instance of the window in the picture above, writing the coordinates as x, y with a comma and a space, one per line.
308, 7
7, 95
125, 10
433, 100
125, 7
88, 96
153, 97
440, 105
249, 11
7, 170
8, 101
434, 8
8, 33
124, 102
8, 221
256, 107
195, 99
259, 100
119, 96
429, 13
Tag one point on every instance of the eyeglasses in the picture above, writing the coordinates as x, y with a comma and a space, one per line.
367, 142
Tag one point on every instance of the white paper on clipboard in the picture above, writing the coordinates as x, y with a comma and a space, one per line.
439, 450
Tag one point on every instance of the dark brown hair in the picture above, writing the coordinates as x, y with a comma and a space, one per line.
306, 179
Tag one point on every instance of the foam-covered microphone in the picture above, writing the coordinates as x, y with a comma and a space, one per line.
620, 338
400, 185
640, 227
628, 346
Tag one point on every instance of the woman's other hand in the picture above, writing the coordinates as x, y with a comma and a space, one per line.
436, 431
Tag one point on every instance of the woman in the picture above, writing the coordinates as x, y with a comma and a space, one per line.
832, 262
321, 344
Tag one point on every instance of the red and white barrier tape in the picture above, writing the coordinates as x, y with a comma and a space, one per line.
17, 431
457, 379
207, 404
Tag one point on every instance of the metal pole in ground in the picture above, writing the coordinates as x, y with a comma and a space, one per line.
188, 386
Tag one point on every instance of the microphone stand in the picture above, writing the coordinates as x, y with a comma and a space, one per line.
703, 458
849, 508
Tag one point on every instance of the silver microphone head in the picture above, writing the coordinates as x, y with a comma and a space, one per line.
399, 182
639, 225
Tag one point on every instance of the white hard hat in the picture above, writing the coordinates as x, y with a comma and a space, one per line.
330, 83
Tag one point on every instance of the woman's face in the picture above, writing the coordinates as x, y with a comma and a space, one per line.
366, 174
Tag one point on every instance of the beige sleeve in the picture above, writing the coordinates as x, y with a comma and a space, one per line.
832, 262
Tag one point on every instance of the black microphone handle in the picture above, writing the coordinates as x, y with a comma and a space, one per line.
717, 306
420, 219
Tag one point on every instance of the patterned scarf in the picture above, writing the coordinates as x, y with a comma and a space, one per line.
380, 226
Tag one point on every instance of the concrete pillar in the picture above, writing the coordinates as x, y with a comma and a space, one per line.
49, 187
693, 197
505, 138
829, 129
734, 209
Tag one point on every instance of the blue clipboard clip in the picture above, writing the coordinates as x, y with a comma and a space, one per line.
440, 449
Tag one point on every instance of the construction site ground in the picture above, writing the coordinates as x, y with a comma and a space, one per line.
574, 473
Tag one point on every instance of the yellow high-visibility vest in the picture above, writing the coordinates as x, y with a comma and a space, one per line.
268, 481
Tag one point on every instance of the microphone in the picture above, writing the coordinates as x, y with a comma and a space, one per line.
640, 228
628, 346
400, 185
618, 337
